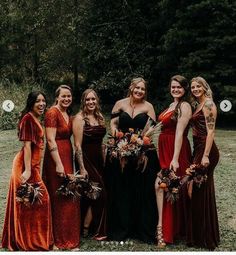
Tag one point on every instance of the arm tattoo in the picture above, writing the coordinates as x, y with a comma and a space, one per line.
79, 158
209, 105
210, 121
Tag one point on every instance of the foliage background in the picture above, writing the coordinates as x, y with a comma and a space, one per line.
103, 44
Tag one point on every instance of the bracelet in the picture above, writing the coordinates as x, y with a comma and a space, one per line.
53, 149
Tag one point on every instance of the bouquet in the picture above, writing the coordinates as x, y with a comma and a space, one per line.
129, 144
196, 173
170, 183
75, 185
29, 193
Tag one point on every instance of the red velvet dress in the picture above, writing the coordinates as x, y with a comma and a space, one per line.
65, 211
203, 227
28, 228
174, 223
93, 162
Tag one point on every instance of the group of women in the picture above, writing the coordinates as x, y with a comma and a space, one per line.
131, 203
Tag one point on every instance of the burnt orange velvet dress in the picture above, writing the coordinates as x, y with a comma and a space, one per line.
174, 223
28, 228
65, 210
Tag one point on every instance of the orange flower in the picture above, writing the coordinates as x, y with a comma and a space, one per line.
146, 140
119, 134
134, 138
163, 185
131, 130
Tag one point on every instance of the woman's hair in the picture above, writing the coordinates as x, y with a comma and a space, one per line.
133, 84
31, 99
97, 112
185, 85
57, 93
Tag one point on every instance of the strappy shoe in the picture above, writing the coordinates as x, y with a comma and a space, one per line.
85, 232
159, 236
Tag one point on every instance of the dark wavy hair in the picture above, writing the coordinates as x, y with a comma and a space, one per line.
185, 85
31, 99
97, 112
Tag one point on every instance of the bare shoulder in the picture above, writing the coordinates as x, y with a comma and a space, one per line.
78, 118
209, 105
120, 104
148, 105
185, 106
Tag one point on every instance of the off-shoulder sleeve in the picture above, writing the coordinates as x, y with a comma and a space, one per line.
116, 114
28, 130
51, 117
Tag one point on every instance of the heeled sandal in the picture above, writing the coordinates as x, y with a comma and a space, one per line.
159, 236
85, 232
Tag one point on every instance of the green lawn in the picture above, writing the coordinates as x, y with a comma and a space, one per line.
225, 182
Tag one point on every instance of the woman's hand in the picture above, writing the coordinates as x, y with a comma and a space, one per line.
205, 161
174, 164
25, 176
84, 173
60, 170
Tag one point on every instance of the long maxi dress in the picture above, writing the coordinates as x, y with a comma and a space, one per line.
132, 209
174, 223
93, 162
65, 210
28, 228
203, 225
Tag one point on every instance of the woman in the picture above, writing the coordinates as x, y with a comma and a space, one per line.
203, 223
28, 228
131, 193
58, 161
89, 130
174, 153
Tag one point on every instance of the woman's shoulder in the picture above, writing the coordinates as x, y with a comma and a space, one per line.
51, 111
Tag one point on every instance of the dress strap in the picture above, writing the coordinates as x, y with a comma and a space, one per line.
116, 114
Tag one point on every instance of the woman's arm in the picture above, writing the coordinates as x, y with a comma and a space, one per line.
151, 111
52, 146
115, 121
27, 162
182, 123
78, 127
210, 113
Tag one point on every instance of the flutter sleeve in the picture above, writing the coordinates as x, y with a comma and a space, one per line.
50, 119
28, 130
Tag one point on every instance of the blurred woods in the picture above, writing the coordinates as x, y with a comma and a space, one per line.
105, 43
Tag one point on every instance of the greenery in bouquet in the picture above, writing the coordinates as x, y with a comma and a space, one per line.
75, 185
29, 193
170, 183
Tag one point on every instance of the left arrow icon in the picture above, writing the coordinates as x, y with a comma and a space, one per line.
8, 105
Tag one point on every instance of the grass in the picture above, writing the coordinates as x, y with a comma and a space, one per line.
225, 184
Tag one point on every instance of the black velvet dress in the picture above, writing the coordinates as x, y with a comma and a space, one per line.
132, 209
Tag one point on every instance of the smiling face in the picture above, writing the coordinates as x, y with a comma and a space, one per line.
90, 102
138, 91
64, 98
176, 90
39, 105
197, 90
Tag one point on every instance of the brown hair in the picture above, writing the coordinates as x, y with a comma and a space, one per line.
185, 85
57, 93
133, 84
97, 112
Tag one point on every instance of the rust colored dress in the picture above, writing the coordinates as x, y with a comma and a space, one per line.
28, 228
203, 224
65, 210
174, 223
93, 162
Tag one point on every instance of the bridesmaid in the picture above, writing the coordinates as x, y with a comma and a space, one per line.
203, 223
58, 161
174, 153
89, 130
28, 228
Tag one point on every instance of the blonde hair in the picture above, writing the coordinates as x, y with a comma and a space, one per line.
206, 88
133, 84
97, 112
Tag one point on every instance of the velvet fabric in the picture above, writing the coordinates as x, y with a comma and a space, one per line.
174, 223
65, 210
28, 228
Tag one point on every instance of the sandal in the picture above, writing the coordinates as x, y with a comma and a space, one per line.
85, 232
159, 236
